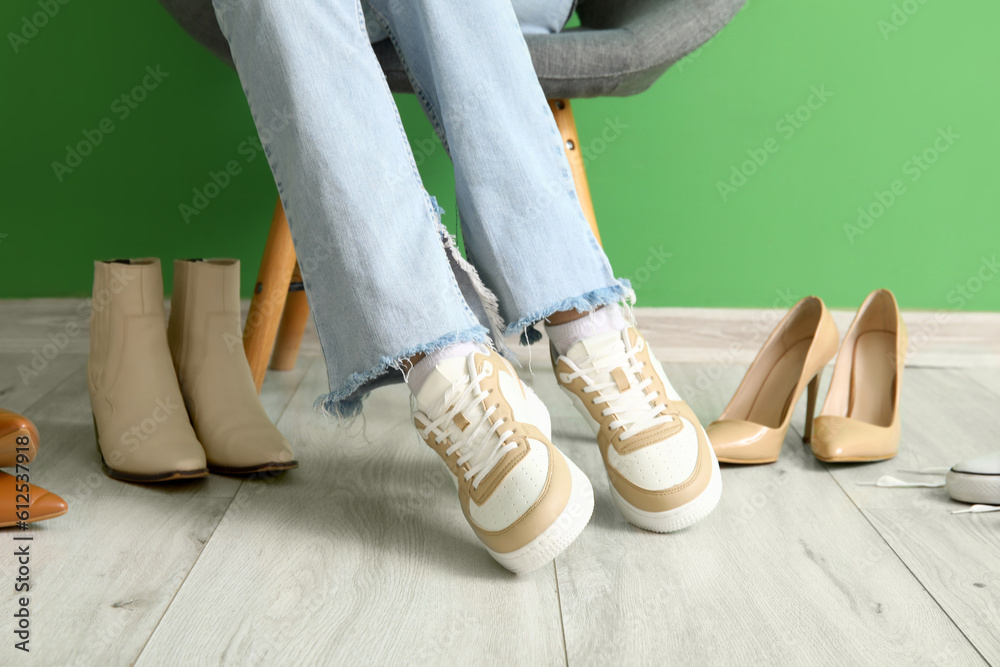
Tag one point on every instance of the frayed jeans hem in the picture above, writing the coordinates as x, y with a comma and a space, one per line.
346, 402
619, 293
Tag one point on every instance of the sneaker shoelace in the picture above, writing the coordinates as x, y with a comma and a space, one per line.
636, 409
481, 444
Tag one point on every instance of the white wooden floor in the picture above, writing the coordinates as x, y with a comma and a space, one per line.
362, 555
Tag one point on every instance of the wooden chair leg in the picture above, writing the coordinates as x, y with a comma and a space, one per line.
563, 112
269, 295
293, 325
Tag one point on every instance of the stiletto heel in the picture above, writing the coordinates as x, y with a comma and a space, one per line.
812, 393
753, 426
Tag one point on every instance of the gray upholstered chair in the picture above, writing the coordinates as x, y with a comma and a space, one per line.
620, 48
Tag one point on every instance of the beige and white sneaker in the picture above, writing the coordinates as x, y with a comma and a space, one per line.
664, 475
525, 501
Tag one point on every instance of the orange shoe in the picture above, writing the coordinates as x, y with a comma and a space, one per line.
41, 504
16, 432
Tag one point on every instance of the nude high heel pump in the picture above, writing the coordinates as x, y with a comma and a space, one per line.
753, 426
860, 417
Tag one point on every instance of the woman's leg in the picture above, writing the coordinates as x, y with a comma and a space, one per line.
525, 231
380, 281
539, 17
367, 234
536, 17
527, 235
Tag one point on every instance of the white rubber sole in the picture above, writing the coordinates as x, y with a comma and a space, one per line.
972, 488
557, 537
679, 517
661, 522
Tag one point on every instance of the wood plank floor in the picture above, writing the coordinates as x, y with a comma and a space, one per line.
362, 556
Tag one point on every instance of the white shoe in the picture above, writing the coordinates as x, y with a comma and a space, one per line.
976, 481
664, 475
525, 501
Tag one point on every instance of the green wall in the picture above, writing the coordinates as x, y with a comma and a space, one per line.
718, 187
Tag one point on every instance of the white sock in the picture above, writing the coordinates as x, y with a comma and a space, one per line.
602, 320
422, 369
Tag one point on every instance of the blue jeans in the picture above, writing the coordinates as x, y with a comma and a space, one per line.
384, 278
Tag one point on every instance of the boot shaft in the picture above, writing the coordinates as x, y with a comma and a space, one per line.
205, 285
122, 288
142, 428
204, 310
206, 344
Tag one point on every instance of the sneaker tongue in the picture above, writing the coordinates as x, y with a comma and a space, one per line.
454, 371
601, 347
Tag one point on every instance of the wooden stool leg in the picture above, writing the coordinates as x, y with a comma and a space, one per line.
563, 113
293, 325
269, 295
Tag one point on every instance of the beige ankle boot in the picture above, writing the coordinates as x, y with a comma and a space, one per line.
143, 431
207, 347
